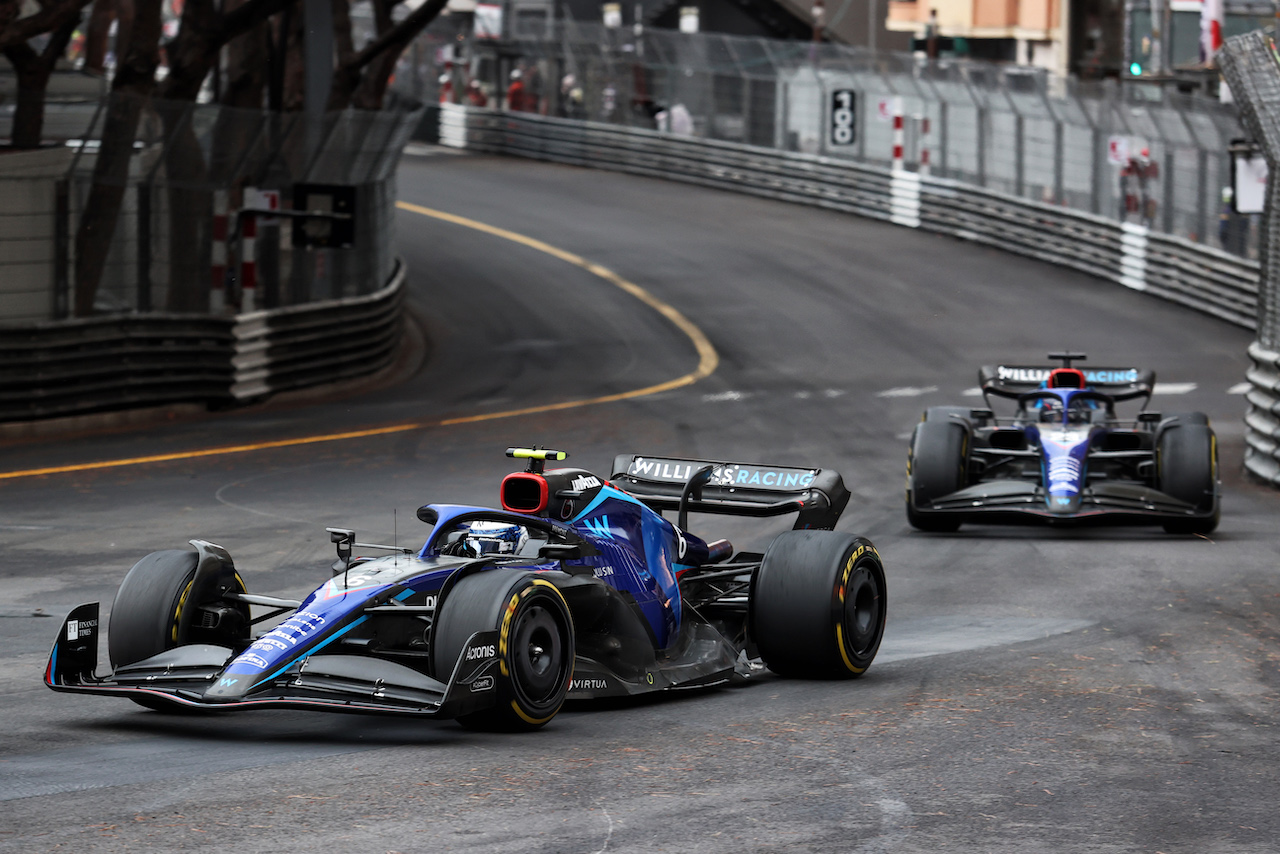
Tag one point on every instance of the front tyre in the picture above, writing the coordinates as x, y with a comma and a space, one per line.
146, 616
535, 644
818, 605
937, 465
1187, 469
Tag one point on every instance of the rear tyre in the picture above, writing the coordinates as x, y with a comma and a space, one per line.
818, 605
535, 645
147, 612
937, 465
1187, 469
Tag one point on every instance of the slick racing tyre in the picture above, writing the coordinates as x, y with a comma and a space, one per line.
818, 605
1187, 469
535, 644
937, 465
147, 612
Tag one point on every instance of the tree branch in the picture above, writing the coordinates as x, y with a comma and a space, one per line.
400, 35
50, 17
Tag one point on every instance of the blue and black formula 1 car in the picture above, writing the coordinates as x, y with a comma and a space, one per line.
577, 588
1064, 456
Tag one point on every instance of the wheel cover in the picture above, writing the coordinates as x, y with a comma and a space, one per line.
537, 655
863, 611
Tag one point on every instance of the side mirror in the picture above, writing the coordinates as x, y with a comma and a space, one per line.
344, 539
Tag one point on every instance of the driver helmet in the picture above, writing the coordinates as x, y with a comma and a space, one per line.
486, 538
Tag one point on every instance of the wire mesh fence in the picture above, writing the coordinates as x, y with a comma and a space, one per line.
184, 232
1137, 154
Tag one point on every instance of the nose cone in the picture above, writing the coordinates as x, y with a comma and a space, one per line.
1063, 503
228, 688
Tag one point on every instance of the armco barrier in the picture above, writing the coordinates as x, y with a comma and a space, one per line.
1194, 275
1262, 436
305, 345
69, 367
98, 364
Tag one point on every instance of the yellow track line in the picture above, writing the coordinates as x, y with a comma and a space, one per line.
708, 360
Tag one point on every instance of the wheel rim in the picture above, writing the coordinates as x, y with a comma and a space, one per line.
537, 655
863, 611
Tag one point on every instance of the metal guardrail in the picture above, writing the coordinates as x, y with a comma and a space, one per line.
305, 345
75, 366
1199, 277
80, 366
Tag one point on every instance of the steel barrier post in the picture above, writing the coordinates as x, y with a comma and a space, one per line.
1167, 191
144, 246
61, 249
981, 126
1202, 191
1095, 172
1059, 168
1019, 158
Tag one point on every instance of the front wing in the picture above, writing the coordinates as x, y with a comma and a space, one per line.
337, 683
1022, 501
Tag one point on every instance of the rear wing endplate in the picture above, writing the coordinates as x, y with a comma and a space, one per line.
819, 496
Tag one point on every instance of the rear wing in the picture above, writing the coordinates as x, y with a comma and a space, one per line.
819, 496
1014, 380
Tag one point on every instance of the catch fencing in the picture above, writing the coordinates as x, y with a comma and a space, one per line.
1011, 129
1251, 65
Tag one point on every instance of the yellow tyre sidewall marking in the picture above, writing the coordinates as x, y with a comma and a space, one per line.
844, 583
512, 606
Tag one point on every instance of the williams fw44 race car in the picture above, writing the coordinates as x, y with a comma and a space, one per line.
1063, 456
577, 587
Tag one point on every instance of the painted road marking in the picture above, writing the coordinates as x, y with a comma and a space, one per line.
708, 360
907, 391
1174, 388
1240, 388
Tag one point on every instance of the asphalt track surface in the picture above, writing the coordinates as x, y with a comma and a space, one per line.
1038, 690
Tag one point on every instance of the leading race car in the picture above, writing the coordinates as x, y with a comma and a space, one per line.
576, 588
1063, 456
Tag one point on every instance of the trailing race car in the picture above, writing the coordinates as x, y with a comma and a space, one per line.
1064, 456
576, 588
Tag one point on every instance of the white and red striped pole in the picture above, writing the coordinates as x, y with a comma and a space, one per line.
248, 262
924, 146
218, 264
898, 135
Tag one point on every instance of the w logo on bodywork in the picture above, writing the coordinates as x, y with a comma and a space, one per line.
599, 527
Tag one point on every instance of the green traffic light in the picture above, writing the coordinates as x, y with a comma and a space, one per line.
1135, 68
